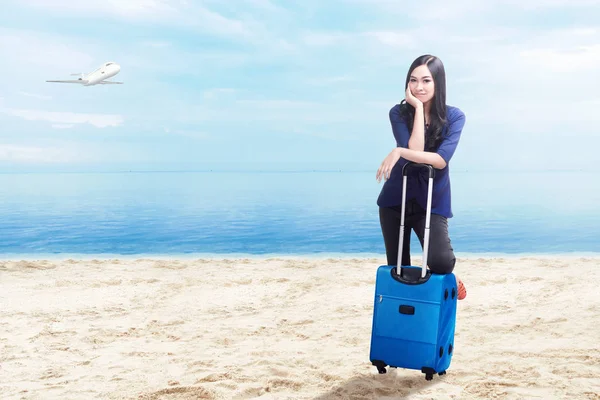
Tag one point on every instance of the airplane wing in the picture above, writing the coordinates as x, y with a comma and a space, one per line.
110, 83
80, 81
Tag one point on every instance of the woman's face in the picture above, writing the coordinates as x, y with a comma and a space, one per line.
421, 84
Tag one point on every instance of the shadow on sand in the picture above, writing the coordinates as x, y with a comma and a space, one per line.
395, 384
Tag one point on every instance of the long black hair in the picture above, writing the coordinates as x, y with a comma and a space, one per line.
437, 113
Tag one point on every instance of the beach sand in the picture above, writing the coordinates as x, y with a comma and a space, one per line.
285, 328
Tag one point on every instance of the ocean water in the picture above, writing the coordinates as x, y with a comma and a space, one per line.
282, 213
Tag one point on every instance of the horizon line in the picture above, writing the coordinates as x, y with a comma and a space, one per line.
263, 170
16, 257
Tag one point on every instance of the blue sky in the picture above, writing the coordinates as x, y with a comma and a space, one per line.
267, 84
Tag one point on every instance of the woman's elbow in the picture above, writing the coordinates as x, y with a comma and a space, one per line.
440, 163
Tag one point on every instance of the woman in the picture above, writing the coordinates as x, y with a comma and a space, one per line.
426, 131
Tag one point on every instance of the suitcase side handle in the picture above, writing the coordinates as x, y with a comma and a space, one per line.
407, 168
406, 309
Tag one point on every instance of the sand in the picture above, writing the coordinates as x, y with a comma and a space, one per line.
282, 328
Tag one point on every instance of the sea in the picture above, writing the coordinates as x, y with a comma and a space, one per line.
282, 213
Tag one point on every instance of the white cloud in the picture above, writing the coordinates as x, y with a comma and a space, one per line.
325, 38
545, 60
156, 44
578, 58
173, 12
277, 104
448, 11
541, 84
189, 133
427, 8
257, 110
322, 133
365, 40
217, 92
36, 96
538, 4
63, 126
546, 121
330, 80
97, 120
34, 52
492, 37
395, 39
266, 112
119, 8
33, 154
210, 21
265, 5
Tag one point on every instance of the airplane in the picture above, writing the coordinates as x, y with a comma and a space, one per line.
98, 77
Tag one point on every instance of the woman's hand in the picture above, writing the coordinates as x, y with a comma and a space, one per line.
388, 163
412, 100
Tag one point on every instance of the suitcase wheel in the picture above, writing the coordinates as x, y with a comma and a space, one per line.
380, 366
429, 372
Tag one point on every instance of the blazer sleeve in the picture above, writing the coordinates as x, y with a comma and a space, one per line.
399, 128
448, 146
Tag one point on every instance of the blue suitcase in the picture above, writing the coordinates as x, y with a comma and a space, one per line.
414, 312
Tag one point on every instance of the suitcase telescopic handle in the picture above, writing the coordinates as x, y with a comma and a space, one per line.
410, 167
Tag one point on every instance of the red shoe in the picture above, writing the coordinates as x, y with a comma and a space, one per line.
462, 291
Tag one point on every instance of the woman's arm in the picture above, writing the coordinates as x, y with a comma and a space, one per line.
444, 153
417, 137
411, 140
422, 157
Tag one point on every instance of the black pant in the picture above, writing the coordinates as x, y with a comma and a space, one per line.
440, 257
